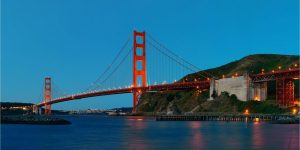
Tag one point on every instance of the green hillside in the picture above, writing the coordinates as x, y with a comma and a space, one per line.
190, 100
253, 64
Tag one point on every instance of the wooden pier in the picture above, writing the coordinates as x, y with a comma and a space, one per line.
223, 117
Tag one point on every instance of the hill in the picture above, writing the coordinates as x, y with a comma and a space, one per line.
253, 64
191, 101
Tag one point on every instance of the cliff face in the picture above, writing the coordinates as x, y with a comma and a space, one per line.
190, 101
171, 101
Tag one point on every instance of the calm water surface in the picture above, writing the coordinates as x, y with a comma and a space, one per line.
104, 132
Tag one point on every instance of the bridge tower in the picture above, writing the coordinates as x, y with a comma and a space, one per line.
47, 95
139, 66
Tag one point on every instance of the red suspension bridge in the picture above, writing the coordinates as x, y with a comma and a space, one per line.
161, 70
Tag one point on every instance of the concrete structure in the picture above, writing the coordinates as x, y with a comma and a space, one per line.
258, 91
241, 86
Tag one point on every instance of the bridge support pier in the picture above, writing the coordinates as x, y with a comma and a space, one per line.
35, 109
259, 91
285, 92
212, 89
39, 111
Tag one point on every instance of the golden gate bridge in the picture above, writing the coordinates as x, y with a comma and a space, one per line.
157, 70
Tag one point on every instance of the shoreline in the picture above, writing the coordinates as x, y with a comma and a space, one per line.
33, 120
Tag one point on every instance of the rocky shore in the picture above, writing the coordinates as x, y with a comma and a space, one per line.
32, 119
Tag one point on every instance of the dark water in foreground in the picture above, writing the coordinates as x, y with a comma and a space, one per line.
103, 132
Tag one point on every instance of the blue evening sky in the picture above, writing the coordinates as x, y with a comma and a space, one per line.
73, 41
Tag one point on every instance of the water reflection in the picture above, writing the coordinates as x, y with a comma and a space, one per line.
291, 137
134, 134
257, 139
196, 139
102, 132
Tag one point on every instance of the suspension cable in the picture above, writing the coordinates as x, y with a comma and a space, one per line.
181, 64
124, 58
161, 45
114, 60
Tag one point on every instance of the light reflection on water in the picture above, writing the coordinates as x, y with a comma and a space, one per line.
196, 139
136, 125
103, 132
257, 138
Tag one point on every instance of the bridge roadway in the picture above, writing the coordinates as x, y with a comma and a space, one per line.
201, 85
269, 76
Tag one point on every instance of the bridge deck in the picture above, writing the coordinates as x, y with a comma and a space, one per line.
162, 87
293, 73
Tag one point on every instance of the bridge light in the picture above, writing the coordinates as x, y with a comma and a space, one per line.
195, 80
232, 76
279, 67
174, 81
294, 111
246, 112
223, 76
236, 74
262, 70
290, 69
295, 65
208, 79
256, 98
273, 71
